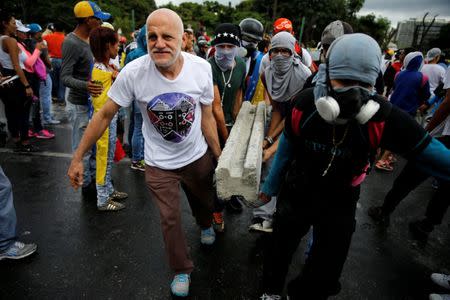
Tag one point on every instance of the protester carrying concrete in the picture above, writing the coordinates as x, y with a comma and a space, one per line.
330, 138
228, 77
228, 71
179, 127
77, 61
282, 79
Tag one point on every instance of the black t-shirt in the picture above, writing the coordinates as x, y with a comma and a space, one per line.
312, 138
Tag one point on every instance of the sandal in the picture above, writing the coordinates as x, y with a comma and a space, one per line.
384, 165
392, 159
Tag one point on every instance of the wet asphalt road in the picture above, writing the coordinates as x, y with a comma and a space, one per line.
85, 254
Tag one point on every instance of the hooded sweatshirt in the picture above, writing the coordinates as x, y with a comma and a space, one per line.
141, 49
411, 87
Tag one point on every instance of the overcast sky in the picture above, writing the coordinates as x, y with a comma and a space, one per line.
394, 10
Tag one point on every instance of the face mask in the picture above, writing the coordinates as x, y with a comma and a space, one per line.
281, 64
225, 57
347, 103
249, 45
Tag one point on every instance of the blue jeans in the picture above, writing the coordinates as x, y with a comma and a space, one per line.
138, 139
45, 93
7, 213
79, 117
58, 88
106, 189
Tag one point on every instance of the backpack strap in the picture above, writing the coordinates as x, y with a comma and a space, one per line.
296, 117
375, 130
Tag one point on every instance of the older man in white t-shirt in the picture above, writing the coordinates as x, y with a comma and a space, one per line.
174, 91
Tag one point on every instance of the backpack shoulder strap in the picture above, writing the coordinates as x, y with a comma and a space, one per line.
375, 130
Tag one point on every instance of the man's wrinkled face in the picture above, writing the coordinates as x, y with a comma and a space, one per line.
163, 41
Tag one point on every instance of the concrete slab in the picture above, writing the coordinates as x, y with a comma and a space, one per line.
239, 168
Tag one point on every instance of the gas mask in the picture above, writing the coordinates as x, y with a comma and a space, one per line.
250, 46
346, 103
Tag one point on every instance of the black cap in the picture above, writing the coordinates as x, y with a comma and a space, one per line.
227, 33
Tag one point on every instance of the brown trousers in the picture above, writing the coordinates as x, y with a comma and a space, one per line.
164, 186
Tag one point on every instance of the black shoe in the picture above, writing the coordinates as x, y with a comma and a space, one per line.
421, 229
377, 214
234, 204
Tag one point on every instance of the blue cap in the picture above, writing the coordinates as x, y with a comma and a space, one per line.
34, 28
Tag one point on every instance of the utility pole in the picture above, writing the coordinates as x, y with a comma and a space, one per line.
301, 30
133, 25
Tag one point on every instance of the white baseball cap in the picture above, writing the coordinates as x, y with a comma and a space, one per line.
21, 27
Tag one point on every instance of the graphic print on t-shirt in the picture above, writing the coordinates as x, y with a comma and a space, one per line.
172, 114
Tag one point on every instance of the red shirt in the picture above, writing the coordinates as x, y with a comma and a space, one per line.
54, 44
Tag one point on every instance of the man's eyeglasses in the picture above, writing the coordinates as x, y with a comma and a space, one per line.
282, 51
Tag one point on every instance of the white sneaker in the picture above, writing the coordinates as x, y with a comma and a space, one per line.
180, 285
270, 297
262, 225
440, 279
439, 297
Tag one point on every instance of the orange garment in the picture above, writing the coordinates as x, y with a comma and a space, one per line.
54, 44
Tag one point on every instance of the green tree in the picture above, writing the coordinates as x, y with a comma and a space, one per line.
44, 11
376, 27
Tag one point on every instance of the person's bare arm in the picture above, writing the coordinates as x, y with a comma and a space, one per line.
209, 129
13, 50
275, 122
219, 115
441, 113
94, 131
237, 103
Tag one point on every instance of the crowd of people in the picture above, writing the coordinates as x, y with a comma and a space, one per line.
331, 122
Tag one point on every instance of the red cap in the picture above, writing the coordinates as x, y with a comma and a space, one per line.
282, 24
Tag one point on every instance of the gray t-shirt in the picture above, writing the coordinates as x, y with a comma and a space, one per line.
77, 60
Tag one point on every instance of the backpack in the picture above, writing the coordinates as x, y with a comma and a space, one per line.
40, 70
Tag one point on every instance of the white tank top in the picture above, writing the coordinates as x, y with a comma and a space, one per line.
5, 59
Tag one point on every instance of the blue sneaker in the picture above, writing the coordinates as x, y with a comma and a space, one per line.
208, 236
180, 285
18, 250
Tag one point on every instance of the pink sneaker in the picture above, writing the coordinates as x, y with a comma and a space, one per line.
45, 134
31, 133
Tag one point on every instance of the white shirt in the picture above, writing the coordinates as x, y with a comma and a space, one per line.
435, 75
443, 129
171, 109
